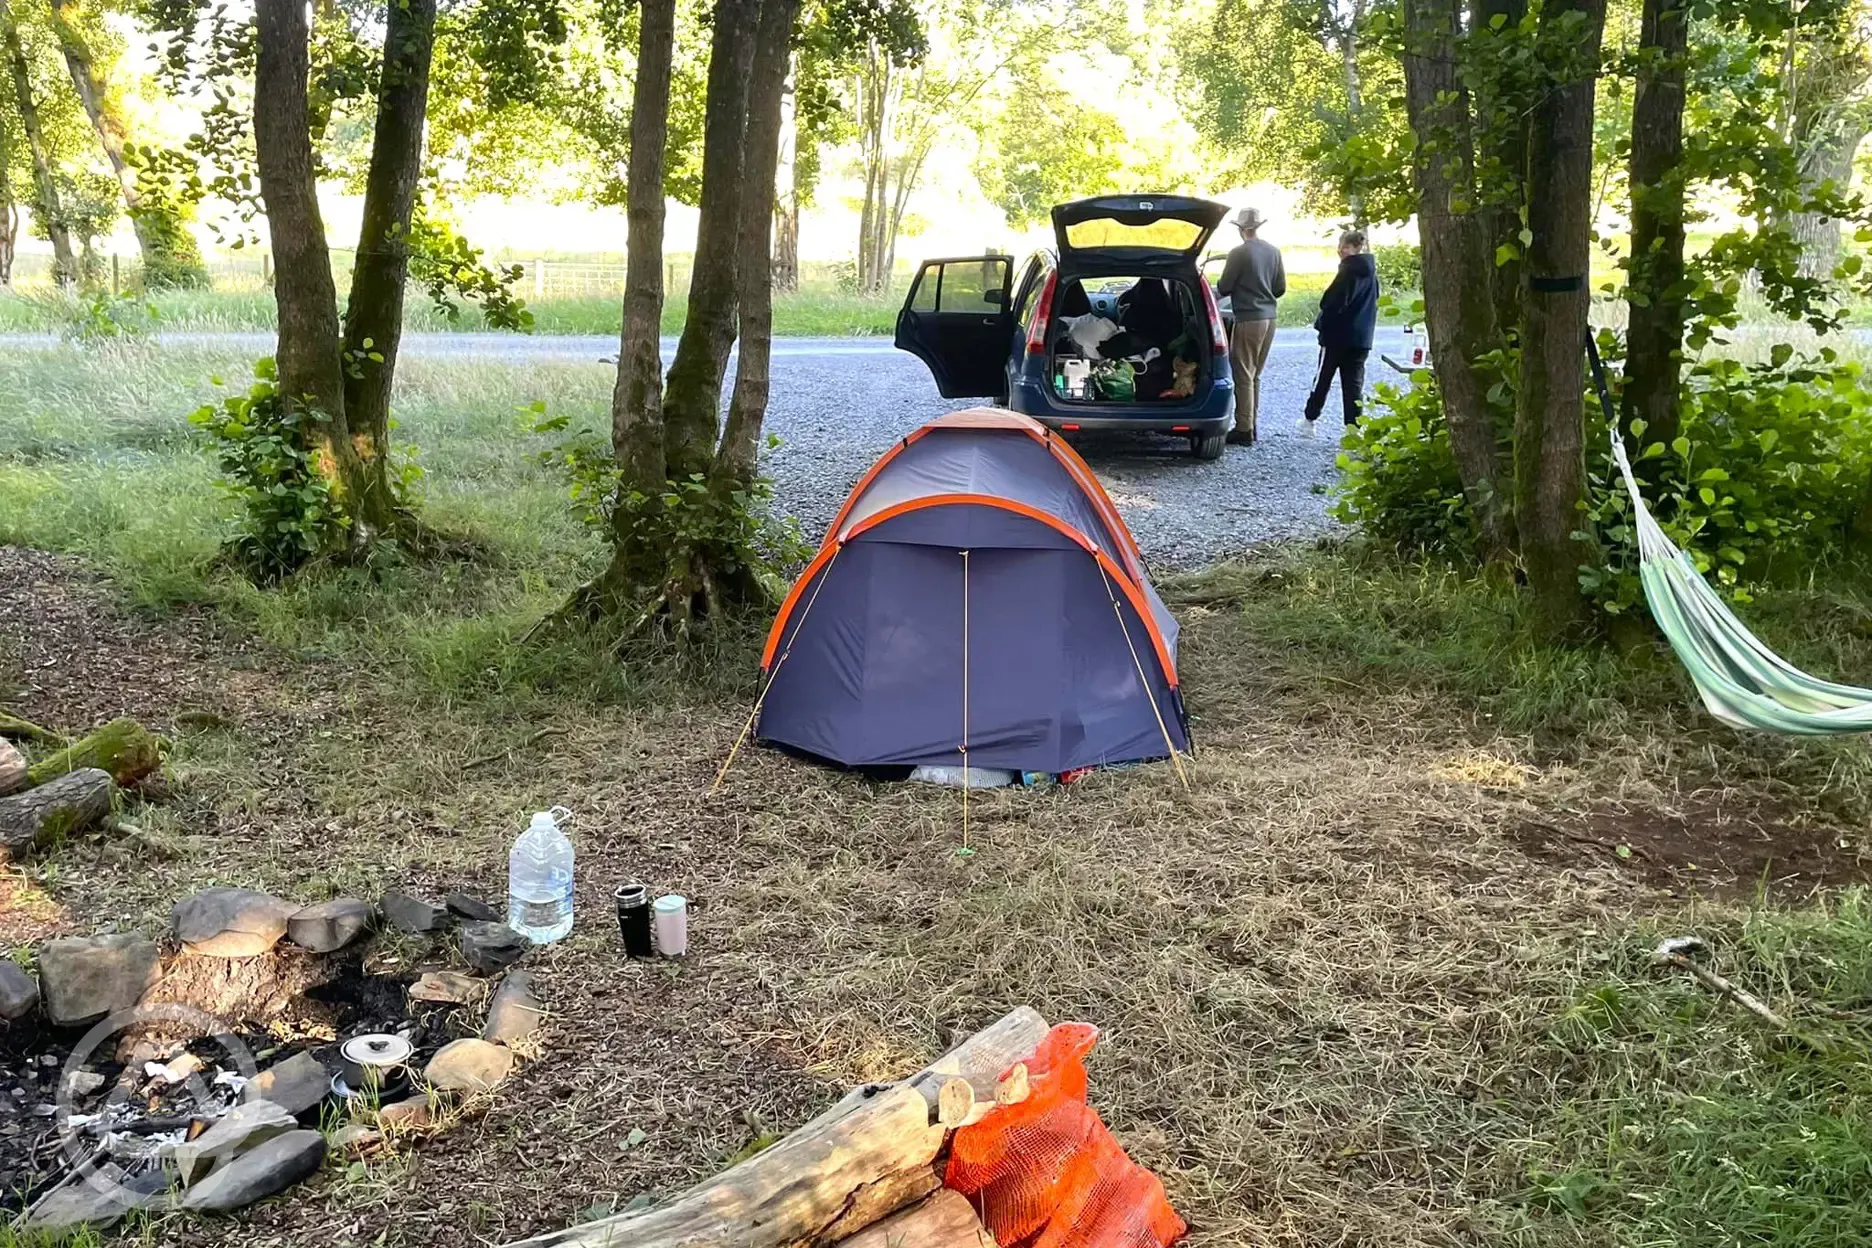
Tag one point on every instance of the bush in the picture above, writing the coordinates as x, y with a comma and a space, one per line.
289, 514
1768, 472
1400, 266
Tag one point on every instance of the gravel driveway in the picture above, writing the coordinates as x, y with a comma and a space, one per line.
838, 403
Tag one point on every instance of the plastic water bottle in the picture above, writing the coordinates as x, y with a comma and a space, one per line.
539, 879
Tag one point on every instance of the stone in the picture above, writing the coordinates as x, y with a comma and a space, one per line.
514, 1015
469, 1066
330, 925
231, 922
296, 1085
406, 1115
468, 906
98, 1202
83, 1083
84, 978
266, 1171
491, 947
19, 992
241, 1130
412, 914
356, 1140
448, 988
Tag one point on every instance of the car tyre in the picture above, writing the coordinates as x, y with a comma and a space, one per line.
1209, 445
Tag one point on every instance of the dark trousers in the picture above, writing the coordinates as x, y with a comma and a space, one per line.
1349, 364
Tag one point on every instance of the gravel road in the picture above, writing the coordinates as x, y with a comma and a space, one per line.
838, 403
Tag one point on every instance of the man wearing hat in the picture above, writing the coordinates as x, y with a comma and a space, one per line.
1253, 280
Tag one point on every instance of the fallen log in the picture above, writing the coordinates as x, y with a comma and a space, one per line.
943, 1220
123, 748
25, 730
58, 808
812, 1188
12, 767
870, 1155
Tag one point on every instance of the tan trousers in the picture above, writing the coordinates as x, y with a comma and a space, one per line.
1248, 353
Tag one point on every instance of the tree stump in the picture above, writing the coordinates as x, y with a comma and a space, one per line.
58, 808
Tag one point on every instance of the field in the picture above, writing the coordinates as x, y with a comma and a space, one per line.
1380, 975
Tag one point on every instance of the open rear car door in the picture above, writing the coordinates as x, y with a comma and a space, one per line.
958, 318
1133, 233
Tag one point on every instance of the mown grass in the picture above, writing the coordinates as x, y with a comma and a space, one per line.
1353, 1011
806, 313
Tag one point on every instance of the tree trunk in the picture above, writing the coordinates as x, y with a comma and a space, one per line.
740, 445
169, 254
373, 324
1458, 311
64, 263
787, 197
311, 372
9, 219
1347, 41
874, 124
692, 395
1653, 294
42, 815
942, 1220
12, 767
1829, 159
1550, 462
637, 398
1504, 160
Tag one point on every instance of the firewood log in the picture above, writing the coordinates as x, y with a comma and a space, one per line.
813, 1188
943, 1220
12, 767
123, 747
868, 1156
38, 816
25, 730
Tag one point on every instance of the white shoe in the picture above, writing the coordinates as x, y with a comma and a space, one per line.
1308, 428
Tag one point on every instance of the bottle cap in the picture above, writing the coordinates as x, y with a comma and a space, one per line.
543, 820
670, 902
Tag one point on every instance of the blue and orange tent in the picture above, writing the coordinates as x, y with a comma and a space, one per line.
977, 601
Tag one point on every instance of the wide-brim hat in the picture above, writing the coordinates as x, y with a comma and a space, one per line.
1249, 219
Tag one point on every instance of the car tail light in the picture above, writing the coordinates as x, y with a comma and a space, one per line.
1069, 428
1043, 316
1179, 428
1217, 342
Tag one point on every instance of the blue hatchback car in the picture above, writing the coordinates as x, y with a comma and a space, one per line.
1121, 283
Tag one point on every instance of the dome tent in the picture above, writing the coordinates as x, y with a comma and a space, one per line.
977, 594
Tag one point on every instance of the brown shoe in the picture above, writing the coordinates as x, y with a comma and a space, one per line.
1238, 436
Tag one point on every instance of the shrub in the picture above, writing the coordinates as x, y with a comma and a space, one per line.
1400, 266
1768, 471
289, 514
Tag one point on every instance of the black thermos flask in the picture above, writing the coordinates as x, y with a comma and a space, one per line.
633, 907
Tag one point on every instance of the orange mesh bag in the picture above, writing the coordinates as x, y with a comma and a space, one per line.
1047, 1173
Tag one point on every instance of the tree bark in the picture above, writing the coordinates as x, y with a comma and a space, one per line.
1550, 462
1457, 262
9, 218
692, 395
64, 262
1653, 293
637, 398
12, 767
740, 445
311, 371
1504, 171
373, 324
874, 89
41, 815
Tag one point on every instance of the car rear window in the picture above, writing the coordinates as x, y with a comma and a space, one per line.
1164, 234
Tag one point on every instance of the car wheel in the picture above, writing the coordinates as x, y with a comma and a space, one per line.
1209, 445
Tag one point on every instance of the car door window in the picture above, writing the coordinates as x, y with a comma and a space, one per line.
974, 285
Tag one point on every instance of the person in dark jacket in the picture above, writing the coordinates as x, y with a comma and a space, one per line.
1347, 317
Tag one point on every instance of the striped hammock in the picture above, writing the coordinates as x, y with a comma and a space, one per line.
1742, 681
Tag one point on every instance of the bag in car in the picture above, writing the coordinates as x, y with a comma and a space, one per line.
1115, 380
